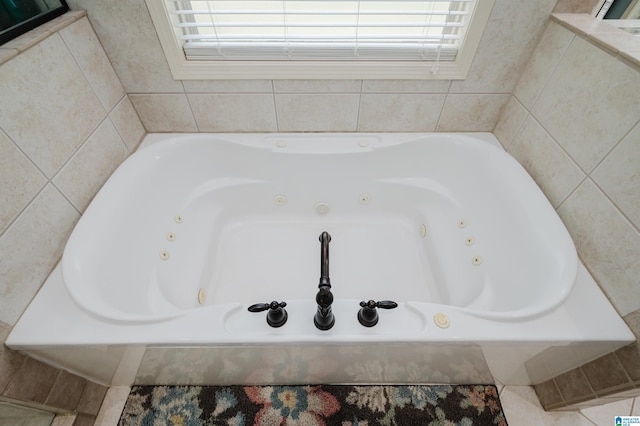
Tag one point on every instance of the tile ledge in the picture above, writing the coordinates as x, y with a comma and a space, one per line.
611, 39
29, 39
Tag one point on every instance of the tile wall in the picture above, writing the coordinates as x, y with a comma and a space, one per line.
576, 6
167, 105
574, 123
65, 124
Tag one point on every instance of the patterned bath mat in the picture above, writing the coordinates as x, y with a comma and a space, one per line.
460, 405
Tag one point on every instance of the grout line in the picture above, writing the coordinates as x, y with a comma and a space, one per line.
79, 147
53, 385
275, 105
570, 157
446, 97
615, 145
586, 376
357, 129
551, 74
82, 71
117, 129
67, 200
618, 209
186, 95
28, 203
25, 208
528, 114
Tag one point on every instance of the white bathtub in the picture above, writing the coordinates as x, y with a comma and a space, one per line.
192, 229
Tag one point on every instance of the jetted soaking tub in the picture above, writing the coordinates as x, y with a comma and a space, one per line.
192, 229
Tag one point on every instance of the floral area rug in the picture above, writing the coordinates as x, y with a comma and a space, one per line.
460, 405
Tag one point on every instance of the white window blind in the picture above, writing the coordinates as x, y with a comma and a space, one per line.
319, 39
321, 30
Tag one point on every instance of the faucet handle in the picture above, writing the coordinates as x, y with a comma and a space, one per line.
277, 315
383, 304
368, 316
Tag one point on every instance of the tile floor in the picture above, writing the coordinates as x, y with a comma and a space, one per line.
521, 408
520, 405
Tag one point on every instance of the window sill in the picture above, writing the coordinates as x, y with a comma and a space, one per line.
608, 37
18, 45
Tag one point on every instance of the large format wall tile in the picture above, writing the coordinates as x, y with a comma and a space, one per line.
545, 58
317, 112
88, 53
471, 113
234, 112
20, 181
30, 248
131, 43
586, 117
82, 177
607, 243
510, 121
42, 118
507, 42
576, 6
619, 175
578, 141
551, 168
53, 94
165, 112
127, 123
400, 112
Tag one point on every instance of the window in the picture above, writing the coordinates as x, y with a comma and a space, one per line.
619, 9
622, 14
19, 16
319, 39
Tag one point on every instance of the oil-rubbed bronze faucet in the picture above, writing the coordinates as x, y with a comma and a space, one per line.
324, 318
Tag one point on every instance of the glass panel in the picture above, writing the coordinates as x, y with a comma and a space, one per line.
19, 16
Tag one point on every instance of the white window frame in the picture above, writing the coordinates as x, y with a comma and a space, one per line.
183, 69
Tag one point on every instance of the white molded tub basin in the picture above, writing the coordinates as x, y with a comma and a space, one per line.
197, 220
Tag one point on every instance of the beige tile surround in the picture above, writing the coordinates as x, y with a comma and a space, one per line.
65, 124
574, 123
167, 105
579, 139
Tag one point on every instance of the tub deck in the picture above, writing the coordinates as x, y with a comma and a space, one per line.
154, 289
227, 345
197, 220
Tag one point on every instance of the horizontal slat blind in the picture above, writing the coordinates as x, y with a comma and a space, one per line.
320, 30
